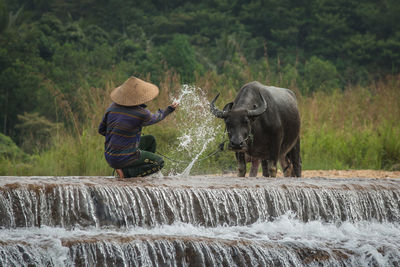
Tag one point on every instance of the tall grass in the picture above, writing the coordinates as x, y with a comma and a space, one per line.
356, 128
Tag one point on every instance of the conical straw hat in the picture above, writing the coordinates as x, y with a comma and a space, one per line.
134, 92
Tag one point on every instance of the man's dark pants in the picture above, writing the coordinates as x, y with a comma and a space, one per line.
149, 162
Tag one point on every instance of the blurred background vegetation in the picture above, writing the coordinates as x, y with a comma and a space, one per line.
60, 59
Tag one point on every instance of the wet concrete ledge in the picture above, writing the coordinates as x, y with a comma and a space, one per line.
208, 182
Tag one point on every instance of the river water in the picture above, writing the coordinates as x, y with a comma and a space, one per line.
199, 221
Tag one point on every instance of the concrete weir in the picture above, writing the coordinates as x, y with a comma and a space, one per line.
203, 220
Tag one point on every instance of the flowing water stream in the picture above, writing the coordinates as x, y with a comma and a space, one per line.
182, 220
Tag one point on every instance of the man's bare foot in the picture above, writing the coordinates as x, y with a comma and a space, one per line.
120, 174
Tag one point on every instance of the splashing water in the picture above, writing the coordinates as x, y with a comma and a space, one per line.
186, 172
185, 90
196, 125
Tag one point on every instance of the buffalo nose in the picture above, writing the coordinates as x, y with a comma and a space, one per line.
236, 145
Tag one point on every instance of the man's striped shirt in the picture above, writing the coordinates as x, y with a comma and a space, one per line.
122, 127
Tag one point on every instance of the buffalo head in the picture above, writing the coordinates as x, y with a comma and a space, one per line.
238, 122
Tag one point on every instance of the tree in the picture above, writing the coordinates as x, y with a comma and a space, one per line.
320, 75
180, 55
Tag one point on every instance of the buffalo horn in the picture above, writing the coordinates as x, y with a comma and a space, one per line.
259, 110
215, 111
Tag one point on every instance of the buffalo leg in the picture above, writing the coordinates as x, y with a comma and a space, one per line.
272, 168
264, 166
255, 163
294, 156
269, 168
287, 166
240, 157
273, 160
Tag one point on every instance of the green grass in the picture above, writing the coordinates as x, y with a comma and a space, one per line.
330, 148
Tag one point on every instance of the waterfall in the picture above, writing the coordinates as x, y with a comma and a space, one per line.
101, 203
201, 221
284, 242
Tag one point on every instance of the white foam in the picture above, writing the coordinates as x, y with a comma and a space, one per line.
364, 238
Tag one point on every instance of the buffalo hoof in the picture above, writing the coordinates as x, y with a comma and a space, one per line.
253, 173
289, 172
242, 173
272, 171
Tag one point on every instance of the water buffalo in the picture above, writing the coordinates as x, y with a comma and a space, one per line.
263, 124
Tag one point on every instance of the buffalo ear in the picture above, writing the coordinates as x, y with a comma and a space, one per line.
228, 107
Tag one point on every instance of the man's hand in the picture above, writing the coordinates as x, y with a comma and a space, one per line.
175, 105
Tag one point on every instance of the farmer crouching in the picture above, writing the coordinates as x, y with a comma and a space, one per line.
125, 150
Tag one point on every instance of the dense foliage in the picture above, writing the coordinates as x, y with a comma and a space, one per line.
55, 47
53, 53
